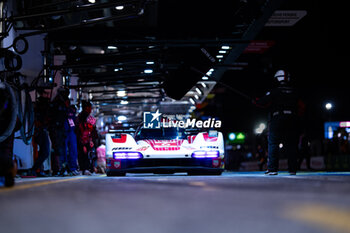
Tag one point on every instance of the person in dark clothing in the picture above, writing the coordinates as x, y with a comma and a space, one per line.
41, 133
283, 122
304, 151
71, 141
8, 168
58, 122
260, 156
86, 137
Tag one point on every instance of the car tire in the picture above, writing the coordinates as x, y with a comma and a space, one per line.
205, 173
110, 173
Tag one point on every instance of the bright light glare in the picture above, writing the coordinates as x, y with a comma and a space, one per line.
148, 71
192, 101
219, 56
121, 93
92, 1
119, 8
225, 47
111, 47
261, 128
329, 106
150, 63
205, 78
232, 136
124, 102
122, 118
198, 91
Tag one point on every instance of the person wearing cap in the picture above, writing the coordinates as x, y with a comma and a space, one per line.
282, 102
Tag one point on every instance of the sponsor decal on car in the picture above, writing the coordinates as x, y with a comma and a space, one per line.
121, 148
165, 145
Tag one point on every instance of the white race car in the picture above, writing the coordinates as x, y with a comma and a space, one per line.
165, 151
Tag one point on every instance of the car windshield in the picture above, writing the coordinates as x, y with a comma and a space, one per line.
161, 134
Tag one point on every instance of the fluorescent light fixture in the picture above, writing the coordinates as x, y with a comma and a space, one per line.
150, 63
192, 101
148, 71
127, 155
92, 1
198, 91
205, 154
122, 118
116, 69
124, 102
205, 78
225, 47
121, 93
222, 51
119, 8
219, 56
111, 47
203, 85
196, 96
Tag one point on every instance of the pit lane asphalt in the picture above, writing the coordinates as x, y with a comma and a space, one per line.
234, 202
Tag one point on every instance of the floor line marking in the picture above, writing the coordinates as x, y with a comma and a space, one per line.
321, 215
38, 184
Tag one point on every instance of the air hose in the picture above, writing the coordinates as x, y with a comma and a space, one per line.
8, 110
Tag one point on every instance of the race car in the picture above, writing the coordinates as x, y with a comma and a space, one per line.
165, 151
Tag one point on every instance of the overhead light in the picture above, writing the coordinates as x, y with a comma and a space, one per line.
121, 93
119, 8
198, 91
219, 56
192, 101
148, 71
92, 1
150, 63
116, 69
196, 96
112, 47
124, 102
122, 118
205, 78
222, 51
203, 84
225, 47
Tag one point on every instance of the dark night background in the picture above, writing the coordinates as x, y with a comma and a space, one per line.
313, 50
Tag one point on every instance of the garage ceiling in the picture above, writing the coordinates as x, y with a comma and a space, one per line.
131, 56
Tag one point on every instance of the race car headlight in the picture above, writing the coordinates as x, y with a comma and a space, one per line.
206, 154
127, 155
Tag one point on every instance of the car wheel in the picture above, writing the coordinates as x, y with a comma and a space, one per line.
115, 173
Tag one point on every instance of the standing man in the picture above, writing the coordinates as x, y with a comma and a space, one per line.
283, 123
41, 133
58, 118
71, 140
